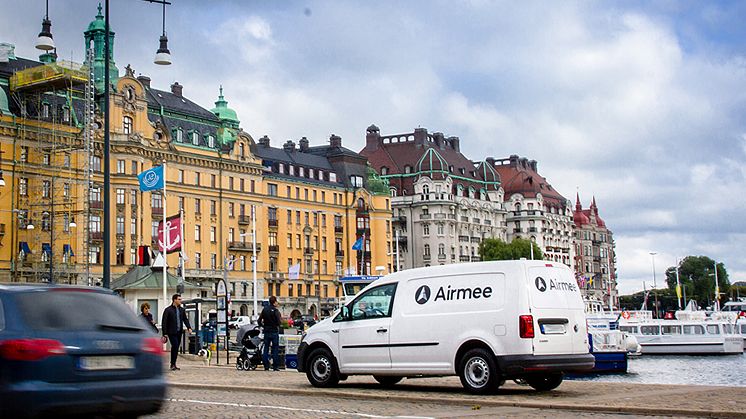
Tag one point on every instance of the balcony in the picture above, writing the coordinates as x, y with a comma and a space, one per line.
426, 257
97, 235
532, 230
157, 211
463, 258
442, 257
203, 273
400, 219
402, 240
340, 253
244, 246
96, 204
272, 223
244, 220
517, 230
274, 248
476, 259
308, 250
425, 216
339, 229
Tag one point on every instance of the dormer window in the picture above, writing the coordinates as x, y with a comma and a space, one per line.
321, 175
291, 170
301, 172
129, 93
45, 111
310, 173
211, 141
65, 114
127, 125
332, 177
195, 138
241, 149
407, 169
384, 170
461, 170
281, 168
179, 135
356, 181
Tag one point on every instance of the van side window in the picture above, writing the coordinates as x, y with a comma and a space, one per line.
374, 303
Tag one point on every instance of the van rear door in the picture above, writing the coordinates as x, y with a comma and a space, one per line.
557, 310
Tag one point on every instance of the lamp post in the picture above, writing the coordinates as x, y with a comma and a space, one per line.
253, 257
160, 59
655, 285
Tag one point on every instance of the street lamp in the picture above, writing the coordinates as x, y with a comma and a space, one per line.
107, 169
253, 255
655, 285
45, 42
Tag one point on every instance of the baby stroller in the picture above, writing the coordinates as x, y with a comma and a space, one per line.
251, 351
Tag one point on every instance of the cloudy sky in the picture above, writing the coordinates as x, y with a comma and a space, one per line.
639, 104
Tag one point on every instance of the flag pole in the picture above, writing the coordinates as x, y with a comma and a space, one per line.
165, 240
182, 251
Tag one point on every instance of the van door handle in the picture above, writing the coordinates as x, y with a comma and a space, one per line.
335, 330
382, 330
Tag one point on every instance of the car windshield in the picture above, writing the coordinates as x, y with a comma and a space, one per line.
71, 310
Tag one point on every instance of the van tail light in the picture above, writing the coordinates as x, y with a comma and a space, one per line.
152, 346
30, 349
526, 326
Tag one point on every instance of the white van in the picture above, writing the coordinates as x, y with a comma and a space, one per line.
485, 322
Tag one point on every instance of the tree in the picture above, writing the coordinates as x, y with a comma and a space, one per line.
696, 273
496, 249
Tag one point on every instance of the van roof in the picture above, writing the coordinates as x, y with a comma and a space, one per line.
467, 268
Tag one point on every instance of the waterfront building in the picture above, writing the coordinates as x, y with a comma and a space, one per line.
595, 260
535, 210
443, 204
51, 140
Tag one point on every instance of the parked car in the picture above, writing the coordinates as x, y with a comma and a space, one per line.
238, 321
68, 350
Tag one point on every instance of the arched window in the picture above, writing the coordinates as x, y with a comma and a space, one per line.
425, 189
517, 206
407, 169
384, 170
393, 191
127, 125
441, 249
427, 250
360, 203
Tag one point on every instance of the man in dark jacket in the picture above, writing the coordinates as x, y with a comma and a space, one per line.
270, 320
173, 322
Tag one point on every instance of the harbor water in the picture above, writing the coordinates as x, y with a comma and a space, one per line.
725, 370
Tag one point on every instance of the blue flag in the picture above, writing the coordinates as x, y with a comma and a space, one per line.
151, 179
358, 245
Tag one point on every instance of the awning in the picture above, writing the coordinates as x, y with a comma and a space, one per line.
46, 248
23, 247
67, 250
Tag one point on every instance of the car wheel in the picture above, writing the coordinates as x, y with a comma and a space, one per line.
322, 370
478, 372
387, 380
545, 382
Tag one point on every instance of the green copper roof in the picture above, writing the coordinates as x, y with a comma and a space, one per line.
4, 103
376, 185
222, 110
99, 23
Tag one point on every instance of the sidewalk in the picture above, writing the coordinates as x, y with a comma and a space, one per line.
673, 400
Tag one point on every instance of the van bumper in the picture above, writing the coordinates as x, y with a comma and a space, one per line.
301, 356
528, 364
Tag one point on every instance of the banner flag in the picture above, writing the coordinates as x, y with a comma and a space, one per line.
171, 242
151, 179
358, 245
294, 271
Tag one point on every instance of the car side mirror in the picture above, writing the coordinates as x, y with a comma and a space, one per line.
344, 314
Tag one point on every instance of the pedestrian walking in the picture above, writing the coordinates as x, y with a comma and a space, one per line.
173, 322
147, 316
270, 321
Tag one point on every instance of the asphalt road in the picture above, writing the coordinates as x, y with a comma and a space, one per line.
189, 403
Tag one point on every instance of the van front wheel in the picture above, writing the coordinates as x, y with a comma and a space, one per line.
322, 370
478, 372
387, 380
545, 382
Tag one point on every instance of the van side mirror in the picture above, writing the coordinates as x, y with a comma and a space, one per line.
344, 314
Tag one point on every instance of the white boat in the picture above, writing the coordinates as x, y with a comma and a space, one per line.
610, 346
737, 310
690, 333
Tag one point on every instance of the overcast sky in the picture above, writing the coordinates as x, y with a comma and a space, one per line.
641, 105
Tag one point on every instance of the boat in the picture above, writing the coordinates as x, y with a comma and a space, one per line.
690, 333
737, 309
609, 346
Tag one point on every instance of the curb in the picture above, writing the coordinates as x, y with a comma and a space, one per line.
316, 392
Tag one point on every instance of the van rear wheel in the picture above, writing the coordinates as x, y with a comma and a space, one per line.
478, 372
545, 382
387, 380
322, 370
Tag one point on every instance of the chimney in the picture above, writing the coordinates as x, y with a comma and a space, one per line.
144, 80
420, 136
372, 138
513, 160
289, 145
303, 143
534, 165
440, 140
455, 143
264, 141
523, 162
335, 141
176, 89
490, 161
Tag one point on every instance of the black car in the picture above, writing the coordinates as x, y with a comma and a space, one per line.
76, 350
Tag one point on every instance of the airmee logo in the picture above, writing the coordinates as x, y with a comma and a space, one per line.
422, 295
541, 284
554, 285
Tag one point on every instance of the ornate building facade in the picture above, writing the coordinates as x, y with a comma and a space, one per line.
443, 204
51, 161
595, 260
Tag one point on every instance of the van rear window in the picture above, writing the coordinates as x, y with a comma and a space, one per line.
72, 310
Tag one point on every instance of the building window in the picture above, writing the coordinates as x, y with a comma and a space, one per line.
212, 235
127, 125
253, 186
156, 201
133, 226
66, 190
213, 180
241, 149
46, 159
94, 224
66, 160
179, 135
197, 232
195, 137
133, 197
134, 167
154, 230
95, 163
231, 207
94, 254
120, 196
120, 167
120, 225
290, 216
198, 260
441, 249
271, 189
197, 178
426, 229
46, 189
356, 181
211, 141
243, 184
45, 111
213, 208
427, 250
197, 206
24, 154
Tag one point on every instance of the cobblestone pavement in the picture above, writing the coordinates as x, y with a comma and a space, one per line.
188, 403
571, 395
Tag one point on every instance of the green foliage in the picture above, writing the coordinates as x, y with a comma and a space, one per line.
696, 273
496, 249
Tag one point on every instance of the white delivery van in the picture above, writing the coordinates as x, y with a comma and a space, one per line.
485, 322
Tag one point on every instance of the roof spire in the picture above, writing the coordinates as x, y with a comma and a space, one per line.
578, 205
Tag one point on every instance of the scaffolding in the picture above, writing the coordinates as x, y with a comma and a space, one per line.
52, 168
